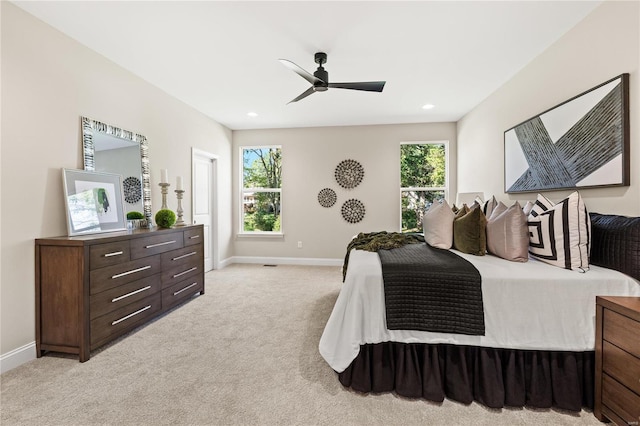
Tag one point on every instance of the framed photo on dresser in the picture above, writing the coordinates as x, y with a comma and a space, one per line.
93, 202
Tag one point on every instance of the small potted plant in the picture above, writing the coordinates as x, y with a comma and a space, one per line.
135, 220
165, 218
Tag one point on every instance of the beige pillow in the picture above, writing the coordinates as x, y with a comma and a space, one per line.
497, 210
527, 208
488, 206
437, 225
508, 233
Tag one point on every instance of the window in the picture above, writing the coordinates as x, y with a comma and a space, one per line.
261, 189
423, 180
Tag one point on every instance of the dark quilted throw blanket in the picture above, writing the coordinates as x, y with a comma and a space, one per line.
430, 289
374, 241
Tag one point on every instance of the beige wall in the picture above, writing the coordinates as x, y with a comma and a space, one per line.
604, 45
310, 156
48, 82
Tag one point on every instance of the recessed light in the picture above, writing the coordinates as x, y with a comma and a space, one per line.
427, 106
252, 114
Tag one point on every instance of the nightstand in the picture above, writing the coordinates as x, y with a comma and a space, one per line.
617, 393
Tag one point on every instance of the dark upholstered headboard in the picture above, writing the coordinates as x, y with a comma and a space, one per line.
615, 243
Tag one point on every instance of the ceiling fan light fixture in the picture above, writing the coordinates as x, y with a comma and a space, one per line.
320, 79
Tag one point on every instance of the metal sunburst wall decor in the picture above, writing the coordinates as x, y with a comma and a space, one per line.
349, 174
327, 197
353, 210
132, 189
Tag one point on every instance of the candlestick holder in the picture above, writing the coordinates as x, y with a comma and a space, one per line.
164, 189
179, 193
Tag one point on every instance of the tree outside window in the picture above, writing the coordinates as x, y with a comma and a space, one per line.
423, 180
261, 189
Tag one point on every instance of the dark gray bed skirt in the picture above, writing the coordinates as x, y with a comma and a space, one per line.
493, 377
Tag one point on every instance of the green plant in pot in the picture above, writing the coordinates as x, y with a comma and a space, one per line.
165, 218
135, 220
134, 215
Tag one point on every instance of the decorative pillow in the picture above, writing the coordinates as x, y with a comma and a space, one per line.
508, 233
559, 234
470, 231
615, 243
527, 208
488, 206
437, 225
498, 210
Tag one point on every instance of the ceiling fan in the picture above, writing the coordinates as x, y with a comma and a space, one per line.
320, 79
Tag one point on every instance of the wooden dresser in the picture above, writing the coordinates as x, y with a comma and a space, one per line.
91, 289
617, 393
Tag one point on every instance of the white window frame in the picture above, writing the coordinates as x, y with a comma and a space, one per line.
444, 188
243, 191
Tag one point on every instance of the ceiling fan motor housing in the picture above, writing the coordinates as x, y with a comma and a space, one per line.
323, 75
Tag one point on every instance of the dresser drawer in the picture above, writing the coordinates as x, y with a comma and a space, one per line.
620, 400
190, 255
108, 254
622, 366
123, 319
117, 275
125, 294
193, 236
180, 291
622, 332
156, 244
170, 276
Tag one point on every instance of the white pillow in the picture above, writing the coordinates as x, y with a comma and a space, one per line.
559, 234
437, 225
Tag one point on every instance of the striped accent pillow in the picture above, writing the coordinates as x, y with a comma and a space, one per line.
560, 234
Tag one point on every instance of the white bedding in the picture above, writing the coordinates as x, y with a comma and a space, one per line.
524, 305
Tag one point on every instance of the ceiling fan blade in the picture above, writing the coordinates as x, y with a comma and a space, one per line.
304, 94
301, 72
369, 86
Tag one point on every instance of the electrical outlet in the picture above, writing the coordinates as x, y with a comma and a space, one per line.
299, 244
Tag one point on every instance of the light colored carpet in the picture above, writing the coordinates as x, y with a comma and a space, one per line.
246, 352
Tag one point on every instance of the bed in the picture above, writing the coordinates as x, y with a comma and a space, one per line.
538, 345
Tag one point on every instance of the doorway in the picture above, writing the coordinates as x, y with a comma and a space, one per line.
203, 196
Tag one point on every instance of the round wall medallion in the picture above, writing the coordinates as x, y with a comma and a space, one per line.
353, 210
327, 197
349, 173
132, 190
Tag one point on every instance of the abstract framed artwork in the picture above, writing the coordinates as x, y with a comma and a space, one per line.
93, 201
581, 143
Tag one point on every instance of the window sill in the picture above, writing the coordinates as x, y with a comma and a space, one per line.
260, 235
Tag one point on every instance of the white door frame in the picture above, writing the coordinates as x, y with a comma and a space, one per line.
214, 199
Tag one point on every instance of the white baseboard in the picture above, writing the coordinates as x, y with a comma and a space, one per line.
17, 357
224, 263
308, 261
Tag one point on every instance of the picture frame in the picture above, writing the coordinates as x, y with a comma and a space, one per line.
93, 202
580, 143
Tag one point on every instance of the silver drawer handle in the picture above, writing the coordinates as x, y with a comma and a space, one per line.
194, 236
185, 272
131, 315
175, 293
133, 271
184, 255
124, 296
160, 244
115, 253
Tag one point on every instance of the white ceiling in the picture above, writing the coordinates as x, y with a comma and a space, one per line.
222, 57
